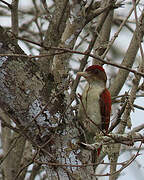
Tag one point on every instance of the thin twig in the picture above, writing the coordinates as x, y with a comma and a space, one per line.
13, 145
117, 33
83, 53
124, 165
9, 5
118, 118
26, 165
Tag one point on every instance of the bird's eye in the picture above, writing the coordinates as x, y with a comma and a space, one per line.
93, 71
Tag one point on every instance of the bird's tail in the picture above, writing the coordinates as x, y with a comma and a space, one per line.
99, 150
95, 155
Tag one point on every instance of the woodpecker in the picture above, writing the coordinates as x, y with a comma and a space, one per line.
95, 103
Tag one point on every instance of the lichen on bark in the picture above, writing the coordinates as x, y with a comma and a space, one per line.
21, 81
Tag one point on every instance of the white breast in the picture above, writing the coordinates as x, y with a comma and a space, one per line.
90, 107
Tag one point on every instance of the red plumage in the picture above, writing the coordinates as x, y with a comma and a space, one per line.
105, 108
93, 67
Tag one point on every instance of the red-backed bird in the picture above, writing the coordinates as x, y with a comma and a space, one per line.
95, 105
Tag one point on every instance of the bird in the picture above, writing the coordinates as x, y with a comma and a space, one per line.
95, 103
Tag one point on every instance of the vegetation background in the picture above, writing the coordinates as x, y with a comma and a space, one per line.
43, 44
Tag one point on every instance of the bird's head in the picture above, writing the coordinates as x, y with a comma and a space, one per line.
94, 73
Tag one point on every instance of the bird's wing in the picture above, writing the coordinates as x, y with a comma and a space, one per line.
105, 108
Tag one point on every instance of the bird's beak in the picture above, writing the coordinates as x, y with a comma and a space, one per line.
84, 74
